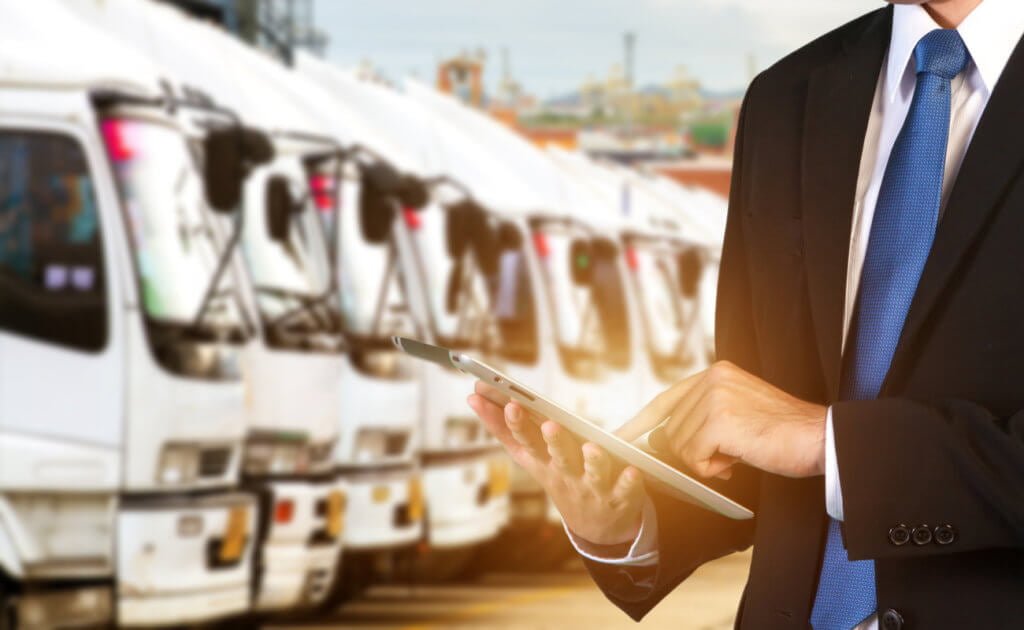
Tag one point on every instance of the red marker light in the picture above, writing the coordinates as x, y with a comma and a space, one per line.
114, 133
284, 511
631, 260
540, 243
322, 188
412, 219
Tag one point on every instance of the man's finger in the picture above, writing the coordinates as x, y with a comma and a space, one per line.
628, 488
563, 449
490, 393
687, 418
701, 452
658, 409
597, 467
494, 421
524, 430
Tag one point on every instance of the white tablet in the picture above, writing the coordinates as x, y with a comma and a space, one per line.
667, 478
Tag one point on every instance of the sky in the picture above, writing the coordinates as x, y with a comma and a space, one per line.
554, 45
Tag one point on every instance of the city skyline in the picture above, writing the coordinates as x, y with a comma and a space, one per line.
554, 47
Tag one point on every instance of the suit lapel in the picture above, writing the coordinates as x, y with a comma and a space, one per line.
993, 159
839, 98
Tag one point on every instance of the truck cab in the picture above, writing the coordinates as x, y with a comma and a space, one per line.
296, 372
293, 372
573, 322
464, 478
123, 332
658, 269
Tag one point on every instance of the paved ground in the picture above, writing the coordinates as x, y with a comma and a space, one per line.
565, 599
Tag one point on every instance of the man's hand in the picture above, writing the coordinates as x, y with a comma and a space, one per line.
599, 504
725, 415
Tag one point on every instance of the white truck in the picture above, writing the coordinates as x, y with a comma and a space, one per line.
661, 268
122, 339
464, 478
556, 299
294, 372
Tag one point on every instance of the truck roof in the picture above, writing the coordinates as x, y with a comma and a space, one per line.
201, 57
406, 152
44, 45
517, 155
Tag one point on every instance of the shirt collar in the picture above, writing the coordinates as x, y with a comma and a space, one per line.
990, 32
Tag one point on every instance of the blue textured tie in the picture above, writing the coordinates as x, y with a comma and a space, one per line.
902, 231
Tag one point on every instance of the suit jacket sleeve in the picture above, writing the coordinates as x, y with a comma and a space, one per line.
689, 536
926, 465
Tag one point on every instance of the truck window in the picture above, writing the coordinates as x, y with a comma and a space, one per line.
52, 285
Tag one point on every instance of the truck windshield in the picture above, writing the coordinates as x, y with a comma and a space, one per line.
668, 319
292, 274
371, 291
176, 240
457, 291
577, 321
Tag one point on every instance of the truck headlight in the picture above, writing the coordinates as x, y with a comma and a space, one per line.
268, 458
320, 455
370, 445
179, 465
376, 444
461, 432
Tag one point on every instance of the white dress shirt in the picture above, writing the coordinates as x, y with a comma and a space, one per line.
990, 32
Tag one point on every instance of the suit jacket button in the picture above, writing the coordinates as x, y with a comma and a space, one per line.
899, 535
922, 535
892, 620
945, 534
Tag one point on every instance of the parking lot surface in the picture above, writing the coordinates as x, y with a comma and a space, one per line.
561, 599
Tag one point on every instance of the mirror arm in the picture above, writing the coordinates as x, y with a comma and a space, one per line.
442, 180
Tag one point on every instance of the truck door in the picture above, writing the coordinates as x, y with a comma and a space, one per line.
60, 351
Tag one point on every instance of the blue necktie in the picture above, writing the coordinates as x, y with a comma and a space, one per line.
902, 231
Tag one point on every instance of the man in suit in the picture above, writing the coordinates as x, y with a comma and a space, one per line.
868, 405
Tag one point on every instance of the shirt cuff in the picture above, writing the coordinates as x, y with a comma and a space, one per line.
644, 550
833, 489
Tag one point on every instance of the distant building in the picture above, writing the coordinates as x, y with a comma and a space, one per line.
616, 100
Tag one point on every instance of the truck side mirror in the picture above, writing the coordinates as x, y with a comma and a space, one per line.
509, 237
279, 208
380, 183
412, 192
689, 263
485, 242
229, 154
604, 248
581, 257
457, 227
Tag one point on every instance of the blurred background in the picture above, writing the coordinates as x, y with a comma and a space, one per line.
215, 214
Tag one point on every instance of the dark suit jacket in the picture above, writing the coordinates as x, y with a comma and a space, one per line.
944, 443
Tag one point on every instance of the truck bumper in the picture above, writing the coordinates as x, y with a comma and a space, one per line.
184, 560
467, 498
386, 508
299, 556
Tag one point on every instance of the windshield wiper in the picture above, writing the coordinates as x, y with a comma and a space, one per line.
313, 305
211, 288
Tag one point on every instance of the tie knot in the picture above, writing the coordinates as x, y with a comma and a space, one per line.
941, 52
